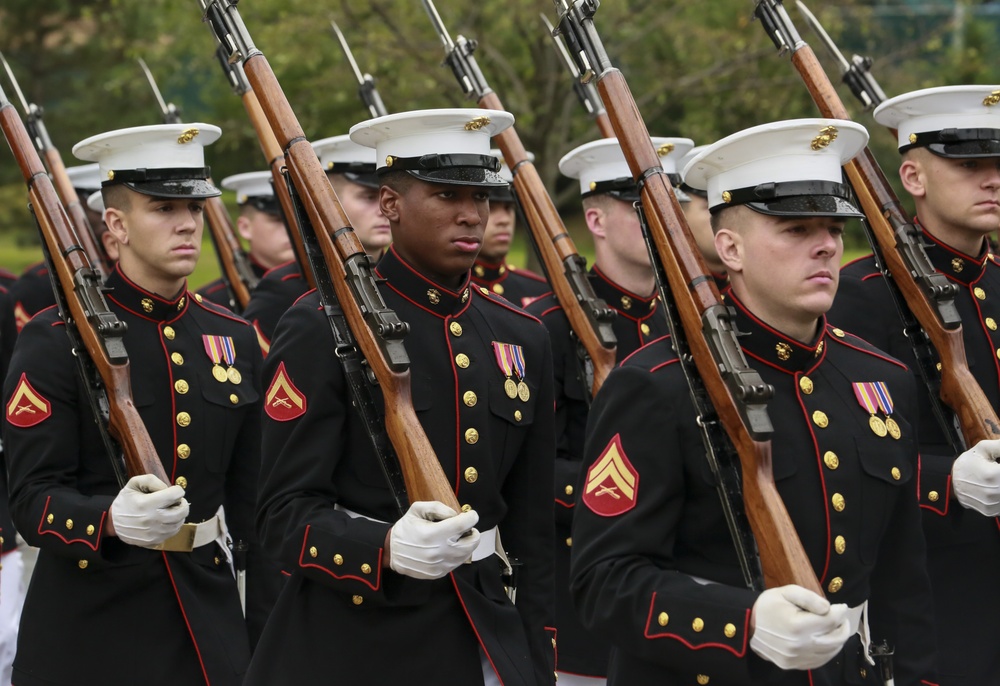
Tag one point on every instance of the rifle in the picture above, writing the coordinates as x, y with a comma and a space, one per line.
856, 73
272, 153
344, 274
366, 84
234, 265
586, 92
35, 124
95, 332
589, 317
928, 295
737, 393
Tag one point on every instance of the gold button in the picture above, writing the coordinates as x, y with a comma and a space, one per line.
980, 293
470, 399
896, 474
90, 529
991, 323
702, 679
663, 619
863, 672
168, 333
366, 568
183, 419
806, 384
462, 360
69, 523
938, 366
836, 583
553, 643
933, 496
147, 305
313, 552
498, 289
483, 291
466, 507
471, 475
698, 624
729, 630
626, 302
218, 561
357, 600
478, 269
820, 419
569, 490
503, 269
838, 502
831, 460
517, 415
184, 451
840, 545
338, 559
645, 329
455, 328
50, 519
839, 333
181, 481
177, 358
181, 386
569, 542
233, 398
471, 436
82, 564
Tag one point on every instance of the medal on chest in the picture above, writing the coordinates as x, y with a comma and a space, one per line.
510, 359
219, 349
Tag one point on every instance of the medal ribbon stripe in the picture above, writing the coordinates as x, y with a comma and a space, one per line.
866, 396
219, 347
504, 359
519, 365
884, 397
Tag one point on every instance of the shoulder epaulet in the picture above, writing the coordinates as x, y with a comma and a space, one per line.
502, 302
198, 300
652, 356
839, 336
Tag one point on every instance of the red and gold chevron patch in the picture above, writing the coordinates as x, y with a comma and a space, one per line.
27, 407
612, 482
284, 402
265, 345
21, 316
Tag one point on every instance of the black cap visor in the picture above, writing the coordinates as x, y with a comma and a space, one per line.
807, 206
367, 180
451, 169
795, 199
166, 183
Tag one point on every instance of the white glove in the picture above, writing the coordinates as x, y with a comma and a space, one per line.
431, 540
796, 629
975, 478
147, 511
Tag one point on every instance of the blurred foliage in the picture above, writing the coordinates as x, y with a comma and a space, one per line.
697, 69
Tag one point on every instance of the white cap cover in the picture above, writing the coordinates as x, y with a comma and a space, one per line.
950, 121
601, 167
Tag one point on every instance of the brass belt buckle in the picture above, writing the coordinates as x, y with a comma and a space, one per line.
182, 541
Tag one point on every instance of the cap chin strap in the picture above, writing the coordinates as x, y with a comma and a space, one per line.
432, 162
116, 176
783, 189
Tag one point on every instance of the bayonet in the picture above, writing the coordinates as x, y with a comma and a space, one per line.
34, 121
459, 56
856, 72
366, 84
586, 92
170, 113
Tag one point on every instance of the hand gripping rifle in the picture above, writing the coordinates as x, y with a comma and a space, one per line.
343, 273
589, 317
927, 294
234, 265
366, 84
586, 92
272, 153
35, 125
95, 331
737, 393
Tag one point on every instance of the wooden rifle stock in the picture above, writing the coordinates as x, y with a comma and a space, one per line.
422, 472
80, 285
554, 243
276, 162
960, 390
783, 559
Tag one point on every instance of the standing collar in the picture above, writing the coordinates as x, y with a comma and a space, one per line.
487, 272
420, 290
956, 265
625, 302
773, 348
143, 303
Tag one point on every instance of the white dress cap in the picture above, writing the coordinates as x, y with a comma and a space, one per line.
450, 146
95, 201
341, 155
86, 178
682, 164
951, 121
790, 168
249, 185
166, 160
601, 167
505, 194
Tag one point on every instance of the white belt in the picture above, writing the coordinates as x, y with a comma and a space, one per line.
193, 536
489, 540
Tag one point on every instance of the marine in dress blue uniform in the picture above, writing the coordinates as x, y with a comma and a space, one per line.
608, 192
653, 564
956, 126
347, 614
114, 611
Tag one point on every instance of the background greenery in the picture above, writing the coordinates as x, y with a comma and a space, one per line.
700, 69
